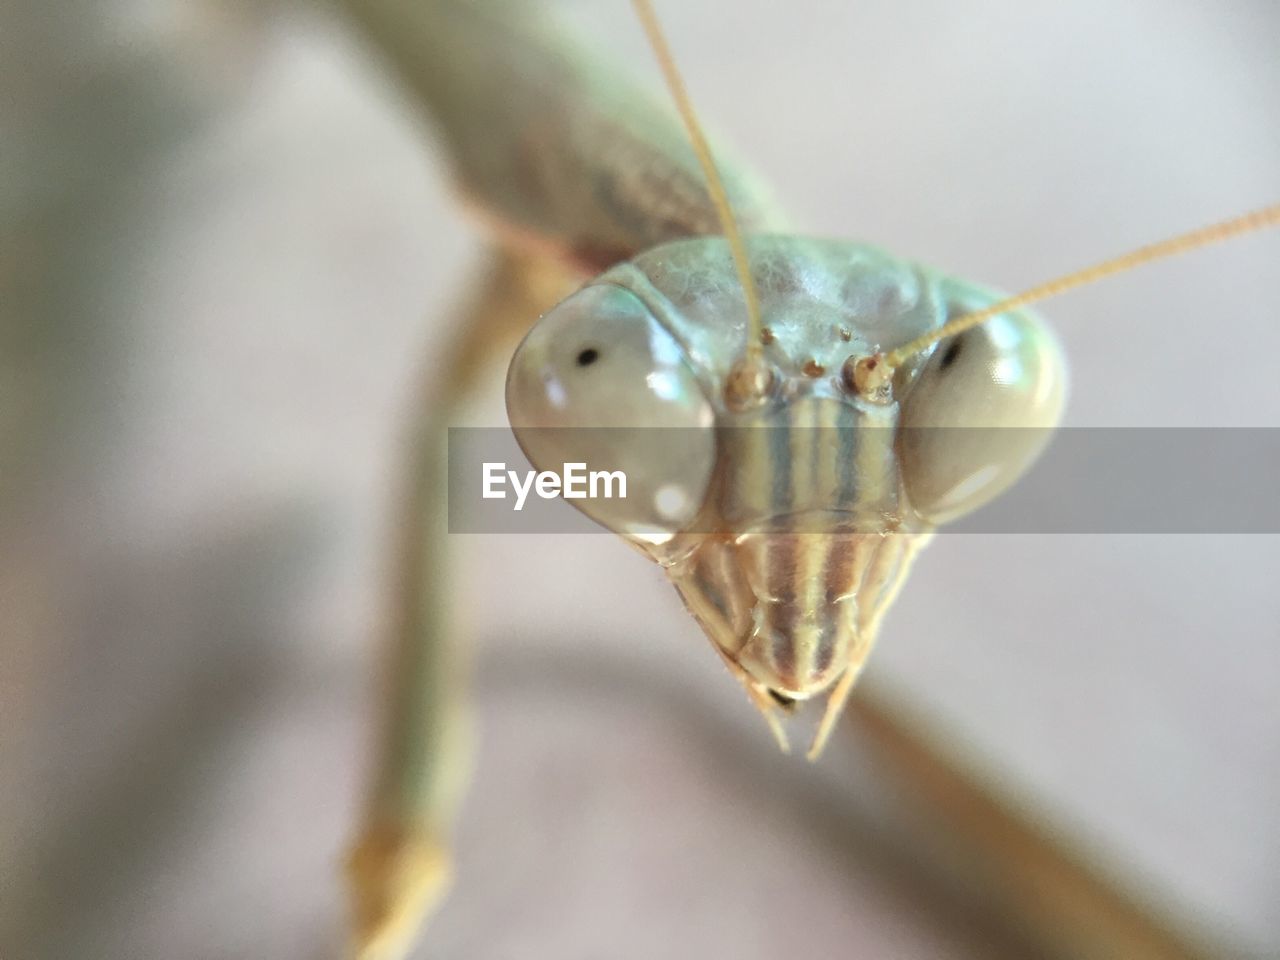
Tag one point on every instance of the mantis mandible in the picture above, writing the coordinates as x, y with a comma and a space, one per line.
577, 173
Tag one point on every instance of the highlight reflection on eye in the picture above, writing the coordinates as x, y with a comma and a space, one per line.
980, 412
663, 385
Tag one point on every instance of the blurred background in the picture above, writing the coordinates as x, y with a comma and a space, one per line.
227, 247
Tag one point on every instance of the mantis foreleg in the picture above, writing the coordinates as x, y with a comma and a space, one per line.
400, 866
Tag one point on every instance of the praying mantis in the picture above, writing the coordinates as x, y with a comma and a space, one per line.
395, 862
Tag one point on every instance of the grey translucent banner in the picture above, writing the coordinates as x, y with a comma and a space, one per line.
1088, 480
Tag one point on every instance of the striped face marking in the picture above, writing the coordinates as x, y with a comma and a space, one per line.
815, 543
805, 503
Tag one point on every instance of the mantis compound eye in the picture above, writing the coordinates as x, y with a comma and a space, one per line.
599, 382
982, 409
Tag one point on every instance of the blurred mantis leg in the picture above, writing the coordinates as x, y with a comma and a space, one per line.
1006, 860
400, 866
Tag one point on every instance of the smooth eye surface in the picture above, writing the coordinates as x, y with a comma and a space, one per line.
981, 411
598, 381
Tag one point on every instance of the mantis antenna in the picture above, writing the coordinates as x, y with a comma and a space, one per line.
715, 186
1183, 243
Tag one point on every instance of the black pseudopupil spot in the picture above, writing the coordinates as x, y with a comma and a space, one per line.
588, 356
953, 351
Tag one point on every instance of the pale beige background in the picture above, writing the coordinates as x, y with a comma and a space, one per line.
230, 248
